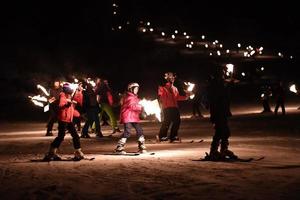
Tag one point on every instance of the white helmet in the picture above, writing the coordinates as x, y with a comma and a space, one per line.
132, 85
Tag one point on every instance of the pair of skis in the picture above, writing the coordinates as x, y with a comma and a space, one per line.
228, 159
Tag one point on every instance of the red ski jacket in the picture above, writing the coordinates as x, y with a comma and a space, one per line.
169, 96
66, 108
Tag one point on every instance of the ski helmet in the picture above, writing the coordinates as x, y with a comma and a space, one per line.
67, 88
131, 86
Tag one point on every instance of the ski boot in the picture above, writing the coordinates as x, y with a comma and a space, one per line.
78, 155
175, 139
99, 134
142, 147
228, 154
161, 139
213, 156
85, 135
52, 155
120, 146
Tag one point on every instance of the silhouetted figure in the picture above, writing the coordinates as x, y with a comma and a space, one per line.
91, 107
219, 113
265, 96
280, 98
196, 103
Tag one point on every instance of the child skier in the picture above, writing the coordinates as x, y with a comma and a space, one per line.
65, 117
130, 112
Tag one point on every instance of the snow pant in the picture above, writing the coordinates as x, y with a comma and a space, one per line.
136, 126
92, 117
77, 122
222, 133
171, 118
196, 109
62, 126
281, 104
52, 119
106, 108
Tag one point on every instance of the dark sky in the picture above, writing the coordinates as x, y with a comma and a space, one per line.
56, 38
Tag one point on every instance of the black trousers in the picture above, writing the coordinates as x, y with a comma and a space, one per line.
62, 126
196, 109
222, 133
266, 106
171, 118
281, 104
52, 119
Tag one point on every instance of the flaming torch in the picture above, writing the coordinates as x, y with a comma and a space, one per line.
230, 68
151, 107
293, 89
189, 88
43, 89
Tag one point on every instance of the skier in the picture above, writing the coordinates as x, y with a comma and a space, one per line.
219, 113
130, 112
105, 99
91, 107
65, 117
78, 97
53, 108
280, 98
168, 96
265, 96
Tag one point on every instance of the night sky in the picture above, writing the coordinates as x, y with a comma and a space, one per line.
45, 40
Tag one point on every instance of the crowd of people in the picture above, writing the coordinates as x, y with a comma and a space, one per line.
89, 103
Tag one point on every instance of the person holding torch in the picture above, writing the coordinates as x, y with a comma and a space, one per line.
53, 101
219, 112
65, 122
169, 96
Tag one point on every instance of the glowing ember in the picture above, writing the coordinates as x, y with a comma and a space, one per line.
151, 107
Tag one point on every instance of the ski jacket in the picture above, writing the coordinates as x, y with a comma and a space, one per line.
66, 108
169, 96
130, 108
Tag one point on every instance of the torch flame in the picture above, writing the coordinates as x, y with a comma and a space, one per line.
151, 107
43, 89
230, 68
190, 86
293, 88
38, 98
37, 103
